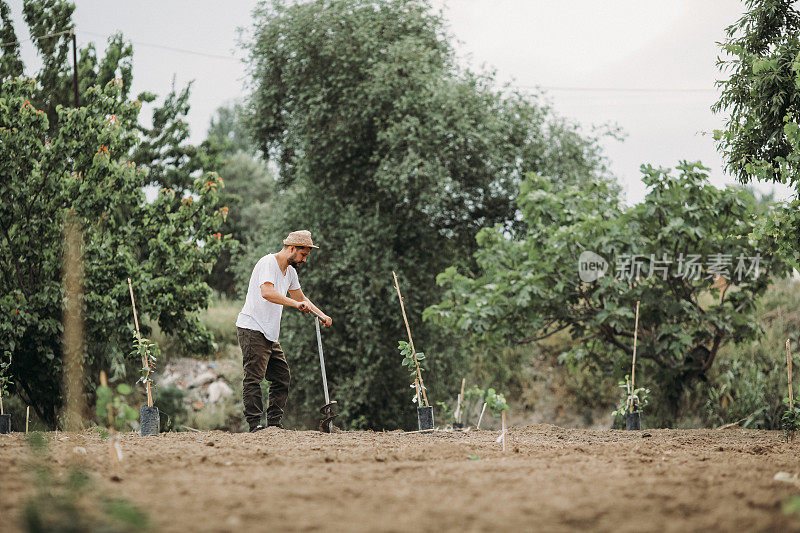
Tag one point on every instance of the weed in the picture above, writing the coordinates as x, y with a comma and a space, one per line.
70, 502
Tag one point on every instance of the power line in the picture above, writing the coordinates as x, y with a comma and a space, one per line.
171, 48
57, 34
518, 87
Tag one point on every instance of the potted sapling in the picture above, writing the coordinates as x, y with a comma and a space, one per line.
5, 381
411, 360
631, 404
149, 422
149, 419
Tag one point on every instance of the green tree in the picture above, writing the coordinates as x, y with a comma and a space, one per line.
56, 159
250, 186
526, 289
394, 158
761, 138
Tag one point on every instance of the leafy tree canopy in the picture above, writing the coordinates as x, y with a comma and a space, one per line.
528, 288
761, 139
58, 160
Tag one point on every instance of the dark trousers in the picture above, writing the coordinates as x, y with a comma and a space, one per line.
262, 358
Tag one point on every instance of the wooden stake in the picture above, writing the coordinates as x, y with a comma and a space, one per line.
410, 340
145, 363
503, 416
1, 404
481, 417
789, 372
27, 418
461, 398
633, 364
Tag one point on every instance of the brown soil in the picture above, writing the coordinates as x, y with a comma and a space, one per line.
550, 479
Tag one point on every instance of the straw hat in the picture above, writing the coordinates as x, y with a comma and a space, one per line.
300, 238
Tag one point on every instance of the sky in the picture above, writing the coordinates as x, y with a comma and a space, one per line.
646, 67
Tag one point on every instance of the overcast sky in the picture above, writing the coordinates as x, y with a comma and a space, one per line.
648, 67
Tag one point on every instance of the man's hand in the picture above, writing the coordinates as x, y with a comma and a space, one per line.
302, 306
326, 321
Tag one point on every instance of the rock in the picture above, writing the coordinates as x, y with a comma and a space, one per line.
79, 450
219, 390
202, 379
786, 477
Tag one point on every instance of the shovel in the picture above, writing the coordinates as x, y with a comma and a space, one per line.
327, 411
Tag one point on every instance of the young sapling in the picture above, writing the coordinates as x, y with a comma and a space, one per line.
790, 421
147, 351
412, 361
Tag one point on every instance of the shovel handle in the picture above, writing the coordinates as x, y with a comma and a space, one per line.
316, 314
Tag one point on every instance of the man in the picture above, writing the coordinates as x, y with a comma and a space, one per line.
259, 324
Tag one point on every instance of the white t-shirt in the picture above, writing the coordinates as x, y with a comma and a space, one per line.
259, 314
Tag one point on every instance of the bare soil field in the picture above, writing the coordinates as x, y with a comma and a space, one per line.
549, 479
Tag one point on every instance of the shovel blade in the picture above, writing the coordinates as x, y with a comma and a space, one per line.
325, 425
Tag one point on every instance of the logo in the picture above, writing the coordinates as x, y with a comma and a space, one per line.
591, 266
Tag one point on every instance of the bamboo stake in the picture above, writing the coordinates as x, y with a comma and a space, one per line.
27, 417
633, 364
1, 403
789, 372
461, 398
503, 416
145, 363
481, 417
410, 340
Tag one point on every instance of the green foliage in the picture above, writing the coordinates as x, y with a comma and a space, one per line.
790, 421
748, 381
761, 54
761, 139
113, 410
146, 351
69, 501
394, 158
631, 400
472, 404
531, 283
413, 364
82, 161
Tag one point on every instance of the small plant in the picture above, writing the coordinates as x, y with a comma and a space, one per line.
496, 402
790, 421
5, 381
414, 366
632, 400
473, 401
147, 351
112, 410
447, 413
70, 501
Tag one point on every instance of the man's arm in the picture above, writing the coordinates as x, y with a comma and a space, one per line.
269, 293
297, 294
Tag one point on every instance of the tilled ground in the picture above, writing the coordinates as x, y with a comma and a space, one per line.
549, 479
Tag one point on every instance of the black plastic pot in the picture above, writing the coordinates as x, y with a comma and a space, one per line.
5, 424
632, 421
149, 420
458, 425
425, 417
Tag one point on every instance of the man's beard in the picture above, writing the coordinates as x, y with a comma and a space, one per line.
293, 263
